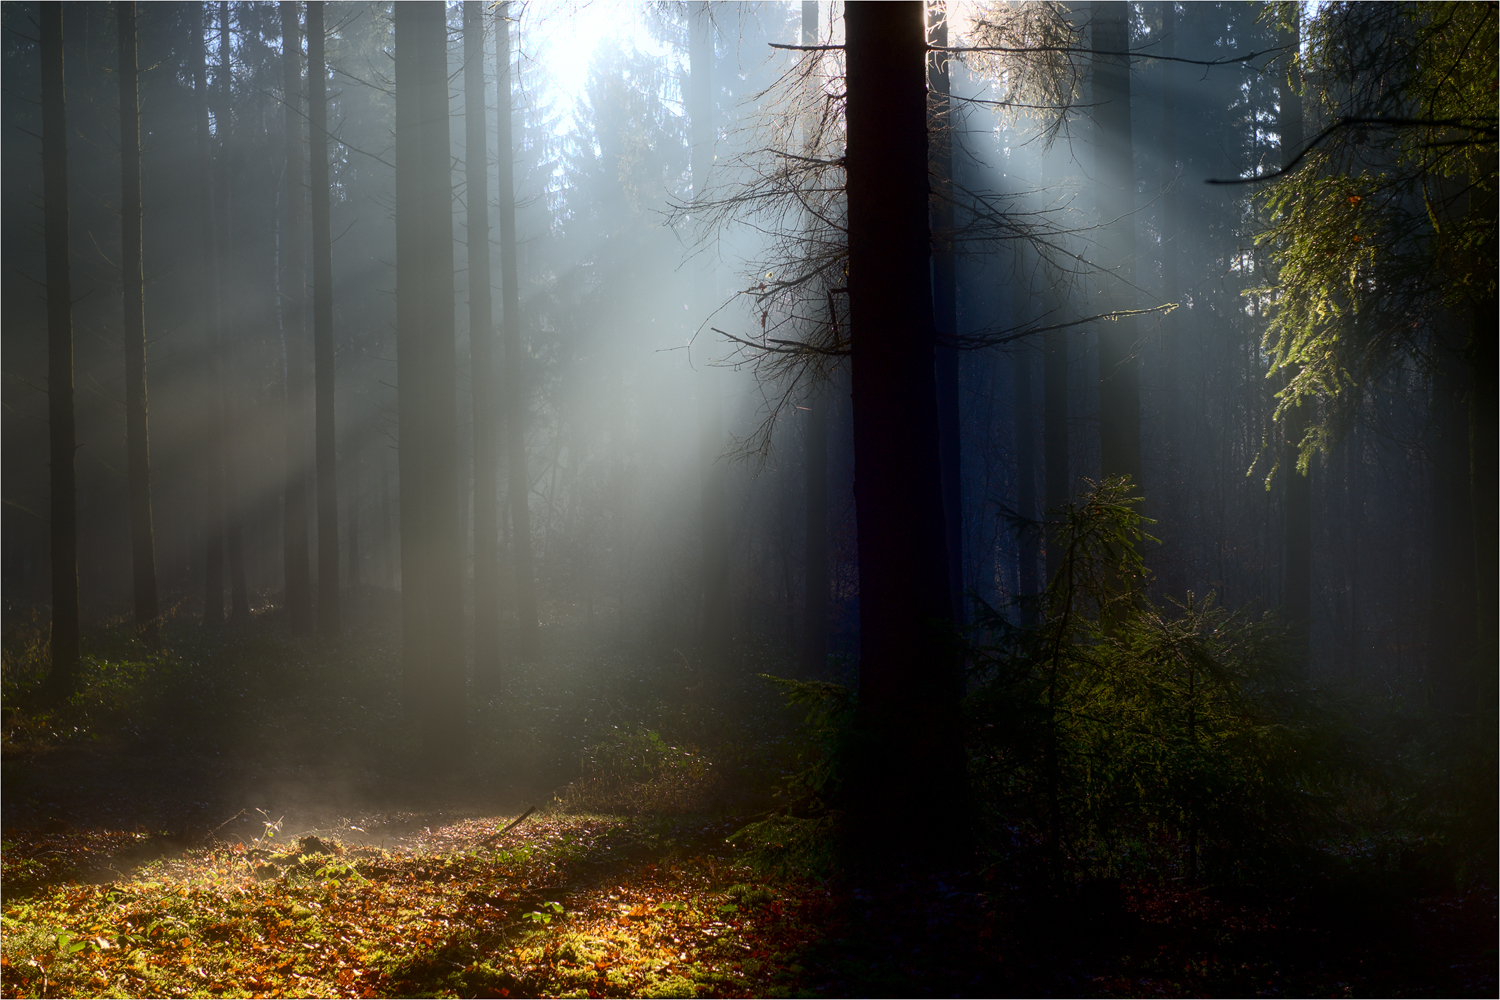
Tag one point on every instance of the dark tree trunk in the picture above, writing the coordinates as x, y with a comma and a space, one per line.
239, 591
518, 480
213, 382
1169, 494
1058, 483
717, 622
815, 566
1452, 613
62, 439
1025, 445
293, 285
482, 356
1484, 473
329, 618
909, 681
1119, 372
137, 440
945, 299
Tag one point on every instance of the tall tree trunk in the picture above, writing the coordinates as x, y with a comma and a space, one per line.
815, 562
62, 439
1169, 493
1297, 544
213, 382
329, 618
443, 736
945, 298
1451, 615
1058, 483
1119, 372
482, 356
717, 624
909, 681
518, 484
1484, 454
411, 361
352, 463
1025, 445
294, 333
132, 279
239, 591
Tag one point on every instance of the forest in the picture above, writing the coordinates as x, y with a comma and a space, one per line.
687, 499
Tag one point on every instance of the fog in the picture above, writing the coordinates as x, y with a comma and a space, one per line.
648, 430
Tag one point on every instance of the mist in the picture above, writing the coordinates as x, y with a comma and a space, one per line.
777, 420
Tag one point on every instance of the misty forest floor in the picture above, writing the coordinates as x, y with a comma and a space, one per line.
245, 817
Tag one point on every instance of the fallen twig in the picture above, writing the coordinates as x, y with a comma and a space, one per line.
487, 841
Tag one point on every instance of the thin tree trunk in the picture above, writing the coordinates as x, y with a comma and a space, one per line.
717, 625
443, 737
1484, 447
945, 299
518, 485
239, 591
293, 282
411, 360
1170, 493
1025, 445
908, 678
137, 440
815, 563
213, 383
1054, 418
62, 438
1119, 371
1451, 615
352, 463
482, 356
329, 617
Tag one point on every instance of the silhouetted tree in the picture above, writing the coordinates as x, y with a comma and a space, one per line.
517, 391
714, 502
323, 367
482, 353
945, 297
62, 438
295, 568
909, 681
234, 509
213, 382
432, 597
132, 279
1119, 371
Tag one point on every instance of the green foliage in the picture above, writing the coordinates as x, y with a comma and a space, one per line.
798, 833
1109, 722
1391, 218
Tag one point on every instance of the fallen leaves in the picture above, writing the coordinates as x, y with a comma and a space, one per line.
581, 905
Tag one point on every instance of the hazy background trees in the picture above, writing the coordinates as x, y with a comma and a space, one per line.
581, 448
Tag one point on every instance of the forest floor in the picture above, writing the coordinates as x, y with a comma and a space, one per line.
244, 817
